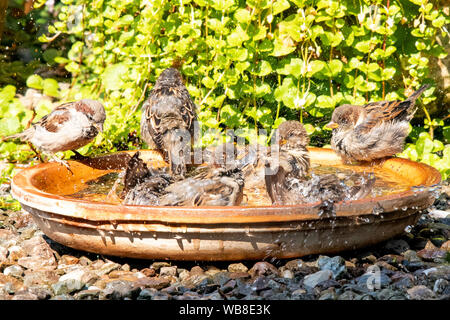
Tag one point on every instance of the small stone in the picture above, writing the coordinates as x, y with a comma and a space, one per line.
107, 268
73, 275
446, 246
335, 264
123, 275
440, 285
147, 294
420, 293
13, 283
196, 270
373, 280
14, 271
397, 246
263, 268
148, 272
88, 294
287, 274
411, 256
348, 295
237, 267
328, 294
84, 261
298, 292
385, 265
294, 265
239, 275
119, 290
221, 277
183, 275
154, 282
212, 270
24, 295
69, 260
125, 267
68, 286
314, 279
3, 254
168, 271
15, 253
370, 258
159, 264
37, 263
46, 277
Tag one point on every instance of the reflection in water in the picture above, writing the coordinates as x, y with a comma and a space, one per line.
385, 183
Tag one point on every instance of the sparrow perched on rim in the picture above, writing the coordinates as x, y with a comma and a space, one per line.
69, 126
288, 179
372, 131
167, 121
213, 186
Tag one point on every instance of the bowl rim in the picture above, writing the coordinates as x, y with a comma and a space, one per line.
28, 194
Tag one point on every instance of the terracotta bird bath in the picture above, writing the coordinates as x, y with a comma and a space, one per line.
216, 233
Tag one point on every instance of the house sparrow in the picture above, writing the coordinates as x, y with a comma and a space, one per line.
167, 121
143, 186
213, 186
288, 180
68, 127
291, 162
373, 131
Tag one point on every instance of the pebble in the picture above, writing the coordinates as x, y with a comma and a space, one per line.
237, 267
420, 293
335, 264
314, 279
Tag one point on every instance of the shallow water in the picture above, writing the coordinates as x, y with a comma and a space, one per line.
100, 189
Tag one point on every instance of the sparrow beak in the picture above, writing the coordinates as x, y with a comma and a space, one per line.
283, 142
99, 127
332, 125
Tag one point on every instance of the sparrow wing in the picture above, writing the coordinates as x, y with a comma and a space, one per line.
384, 111
53, 121
162, 102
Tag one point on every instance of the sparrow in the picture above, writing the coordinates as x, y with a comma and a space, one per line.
167, 121
372, 131
209, 186
69, 126
143, 186
291, 162
289, 180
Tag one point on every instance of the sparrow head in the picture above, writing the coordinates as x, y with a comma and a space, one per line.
292, 135
95, 112
171, 77
346, 117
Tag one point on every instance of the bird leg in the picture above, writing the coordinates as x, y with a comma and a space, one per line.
38, 154
62, 162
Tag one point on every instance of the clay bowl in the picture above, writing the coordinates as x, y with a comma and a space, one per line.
215, 233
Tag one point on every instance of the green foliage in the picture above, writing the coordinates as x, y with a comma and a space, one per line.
248, 65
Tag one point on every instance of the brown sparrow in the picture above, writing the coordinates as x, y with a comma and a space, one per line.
143, 186
291, 162
372, 131
167, 121
288, 180
69, 126
210, 186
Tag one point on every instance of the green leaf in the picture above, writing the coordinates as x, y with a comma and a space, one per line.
112, 77
35, 81
242, 15
280, 6
424, 144
51, 87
